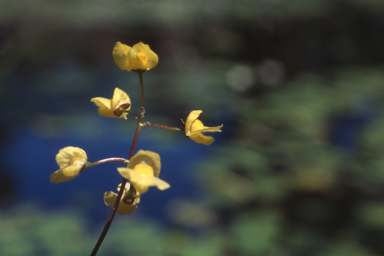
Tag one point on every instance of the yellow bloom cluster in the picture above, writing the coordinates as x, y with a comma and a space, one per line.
71, 161
194, 129
143, 169
137, 58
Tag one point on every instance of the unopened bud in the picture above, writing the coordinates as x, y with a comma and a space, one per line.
120, 109
128, 200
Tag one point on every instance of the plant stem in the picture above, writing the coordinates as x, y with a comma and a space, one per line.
106, 160
161, 126
130, 112
131, 152
142, 91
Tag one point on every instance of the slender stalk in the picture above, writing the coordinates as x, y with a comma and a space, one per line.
106, 160
124, 182
142, 91
161, 126
129, 112
110, 219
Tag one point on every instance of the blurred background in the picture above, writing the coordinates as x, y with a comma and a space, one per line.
298, 84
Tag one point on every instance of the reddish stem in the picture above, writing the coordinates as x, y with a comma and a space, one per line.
111, 159
131, 152
161, 126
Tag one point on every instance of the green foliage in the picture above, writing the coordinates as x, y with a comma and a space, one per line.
32, 232
29, 231
370, 214
284, 186
256, 233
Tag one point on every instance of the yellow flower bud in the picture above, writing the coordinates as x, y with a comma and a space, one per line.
194, 129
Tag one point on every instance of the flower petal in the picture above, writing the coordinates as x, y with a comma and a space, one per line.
149, 157
160, 184
148, 59
207, 129
110, 198
71, 171
125, 173
101, 102
136, 61
140, 182
104, 106
194, 129
120, 55
129, 208
66, 154
126, 187
59, 177
123, 208
80, 153
120, 98
108, 107
200, 138
191, 117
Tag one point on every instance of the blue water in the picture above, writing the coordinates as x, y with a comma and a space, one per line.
32, 160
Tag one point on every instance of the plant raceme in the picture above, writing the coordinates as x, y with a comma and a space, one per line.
142, 169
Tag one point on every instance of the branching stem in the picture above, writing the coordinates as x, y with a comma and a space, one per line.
124, 182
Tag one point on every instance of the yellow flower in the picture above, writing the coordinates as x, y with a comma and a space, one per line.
111, 108
72, 161
123, 208
137, 58
194, 129
143, 171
